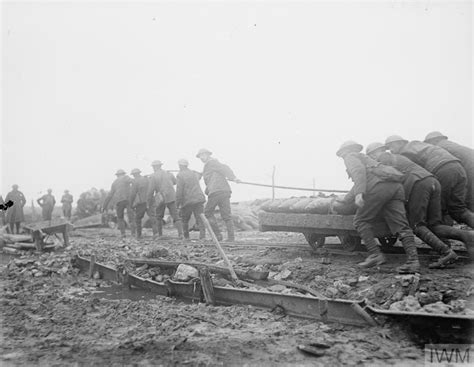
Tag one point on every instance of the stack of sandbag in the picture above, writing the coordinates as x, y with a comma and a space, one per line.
309, 205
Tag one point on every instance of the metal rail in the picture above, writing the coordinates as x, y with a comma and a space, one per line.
334, 310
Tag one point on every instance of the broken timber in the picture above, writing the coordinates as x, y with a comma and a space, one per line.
43, 229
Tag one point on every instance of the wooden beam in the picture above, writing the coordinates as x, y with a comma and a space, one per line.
207, 286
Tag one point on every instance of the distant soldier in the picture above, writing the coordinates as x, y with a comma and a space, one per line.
423, 204
47, 203
218, 192
461, 152
161, 195
445, 167
138, 198
374, 195
120, 191
2, 212
67, 200
189, 198
15, 214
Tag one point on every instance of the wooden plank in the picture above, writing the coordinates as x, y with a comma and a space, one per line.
306, 221
219, 247
325, 224
207, 286
89, 222
91, 266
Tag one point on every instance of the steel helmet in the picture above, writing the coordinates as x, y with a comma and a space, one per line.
157, 163
349, 145
394, 138
203, 151
135, 171
372, 147
434, 135
183, 162
120, 172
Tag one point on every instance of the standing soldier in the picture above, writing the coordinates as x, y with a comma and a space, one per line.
120, 191
67, 200
374, 195
190, 198
218, 192
445, 167
161, 195
47, 202
15, 214
2, 212
423, 204
461, 152
138, 198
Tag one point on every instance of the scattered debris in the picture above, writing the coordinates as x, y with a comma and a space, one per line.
185, 273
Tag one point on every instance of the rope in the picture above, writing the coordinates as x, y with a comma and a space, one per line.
292, 188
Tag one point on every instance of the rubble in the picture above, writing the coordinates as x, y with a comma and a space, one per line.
80, 311
185, 272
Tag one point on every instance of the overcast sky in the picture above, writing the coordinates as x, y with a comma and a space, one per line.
88, 88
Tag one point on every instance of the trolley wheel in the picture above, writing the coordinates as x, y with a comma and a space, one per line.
316, 241
350, 243
387, 241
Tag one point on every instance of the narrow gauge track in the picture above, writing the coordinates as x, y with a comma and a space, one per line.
335, 249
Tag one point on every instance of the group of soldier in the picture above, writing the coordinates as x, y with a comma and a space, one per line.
154, 193
15, 215
418, 188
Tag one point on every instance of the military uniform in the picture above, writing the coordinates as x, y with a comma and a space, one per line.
218, 191
450, 174
2, 212
138, 200
120, 191
162, 183
67, 200
190, 199
423, 198
15, 213
47, 202
380, 196
466, 157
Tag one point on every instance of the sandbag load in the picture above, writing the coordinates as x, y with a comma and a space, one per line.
309, 205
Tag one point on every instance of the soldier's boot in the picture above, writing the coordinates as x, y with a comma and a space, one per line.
447, 256
121, 227
179, 226
375, 257
186, 230
139, 230
202, 233
202, 228
412, 264
159, 227
465, 236
467, 217
230, 230
215, 228
154, 227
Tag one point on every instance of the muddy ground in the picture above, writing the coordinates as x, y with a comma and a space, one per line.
52, 315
